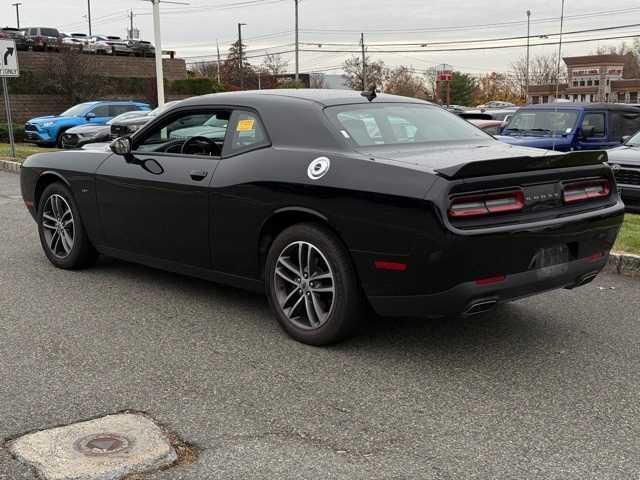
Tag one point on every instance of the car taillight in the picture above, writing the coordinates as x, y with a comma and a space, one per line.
486, 204
585, 190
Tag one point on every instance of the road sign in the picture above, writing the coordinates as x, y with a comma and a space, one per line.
9, 59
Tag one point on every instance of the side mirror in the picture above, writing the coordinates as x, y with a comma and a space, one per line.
122, 146
587, 132
90, 115
626, 138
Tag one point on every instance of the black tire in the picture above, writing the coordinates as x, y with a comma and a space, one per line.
346, 309
82, 254
59, 143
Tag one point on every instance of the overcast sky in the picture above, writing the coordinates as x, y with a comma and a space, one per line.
192, 30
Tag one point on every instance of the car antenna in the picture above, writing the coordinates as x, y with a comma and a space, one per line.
371, 94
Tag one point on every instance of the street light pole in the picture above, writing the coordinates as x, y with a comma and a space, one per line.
241, 62
158, 41
17, 5
526, 96
559, 52
297, 44
89, 16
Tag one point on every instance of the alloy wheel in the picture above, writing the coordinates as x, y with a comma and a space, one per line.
304, 285
58, 226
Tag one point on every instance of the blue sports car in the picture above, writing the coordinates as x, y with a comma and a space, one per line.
49, 130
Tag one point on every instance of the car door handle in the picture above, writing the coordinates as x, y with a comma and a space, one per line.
198, 175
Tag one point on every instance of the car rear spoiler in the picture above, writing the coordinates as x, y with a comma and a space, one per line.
522, 164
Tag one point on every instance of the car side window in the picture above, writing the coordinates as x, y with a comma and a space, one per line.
595, 120
204, 131
116, 110
247, 133
101, 111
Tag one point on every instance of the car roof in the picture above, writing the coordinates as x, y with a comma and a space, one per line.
582, 106
324, 97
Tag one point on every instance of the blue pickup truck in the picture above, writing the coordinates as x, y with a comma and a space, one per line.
571, 126
49, 130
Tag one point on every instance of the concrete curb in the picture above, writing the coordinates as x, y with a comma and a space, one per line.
9, 165
623, 264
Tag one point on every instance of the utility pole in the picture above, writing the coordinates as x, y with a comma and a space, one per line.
89, 16
17, 5
158, 40
241, 59
559, 52
364, 64
526, 95
218, 48
297, 44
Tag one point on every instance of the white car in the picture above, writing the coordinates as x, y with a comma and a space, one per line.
98, 44
74, 40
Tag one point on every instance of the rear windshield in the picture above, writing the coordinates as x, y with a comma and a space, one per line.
398, 124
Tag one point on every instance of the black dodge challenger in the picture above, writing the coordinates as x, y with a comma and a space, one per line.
331, 202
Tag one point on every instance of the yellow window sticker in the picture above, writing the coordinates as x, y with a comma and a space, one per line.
245, 125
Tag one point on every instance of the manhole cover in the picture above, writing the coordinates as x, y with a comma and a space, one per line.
102, 444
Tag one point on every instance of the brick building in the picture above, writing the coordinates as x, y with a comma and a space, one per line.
592, 78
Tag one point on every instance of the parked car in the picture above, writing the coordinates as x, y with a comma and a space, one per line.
69, 41
49, 130
300, 202
43, 38
625, 161
8, 33
497, 104
82, 135
99, 46
121, 127
142, 48
118, 45
495, 114
492, 127
571, 126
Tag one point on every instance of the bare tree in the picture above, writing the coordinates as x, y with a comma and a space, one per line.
402, 81
274, 64
543, 70
206, 69
375, 73
631, 54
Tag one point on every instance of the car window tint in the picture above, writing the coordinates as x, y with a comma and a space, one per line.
101, 111
49, 32
120, 109
247, 132
389, 124
170, 136
595, 120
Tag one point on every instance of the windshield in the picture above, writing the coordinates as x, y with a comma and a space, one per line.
634, 141
76, 111
397, 124
542, 122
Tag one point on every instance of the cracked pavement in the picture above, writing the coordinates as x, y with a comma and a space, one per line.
545, 387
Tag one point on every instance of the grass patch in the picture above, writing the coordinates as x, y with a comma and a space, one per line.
23, 150
629, 237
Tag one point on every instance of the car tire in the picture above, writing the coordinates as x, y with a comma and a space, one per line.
308, 311
65, 243
59, 142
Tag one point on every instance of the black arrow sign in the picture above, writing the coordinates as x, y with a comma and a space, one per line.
7, 54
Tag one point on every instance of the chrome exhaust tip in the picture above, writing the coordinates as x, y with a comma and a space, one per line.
480, 307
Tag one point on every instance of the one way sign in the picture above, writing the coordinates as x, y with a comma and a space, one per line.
8, 59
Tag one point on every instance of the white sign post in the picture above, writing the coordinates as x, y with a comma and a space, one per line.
8, 68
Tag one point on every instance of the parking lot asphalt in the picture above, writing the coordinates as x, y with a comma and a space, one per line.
547, 387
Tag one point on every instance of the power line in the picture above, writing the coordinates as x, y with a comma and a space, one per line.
487, 40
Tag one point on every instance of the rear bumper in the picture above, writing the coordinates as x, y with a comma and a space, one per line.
463, 298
